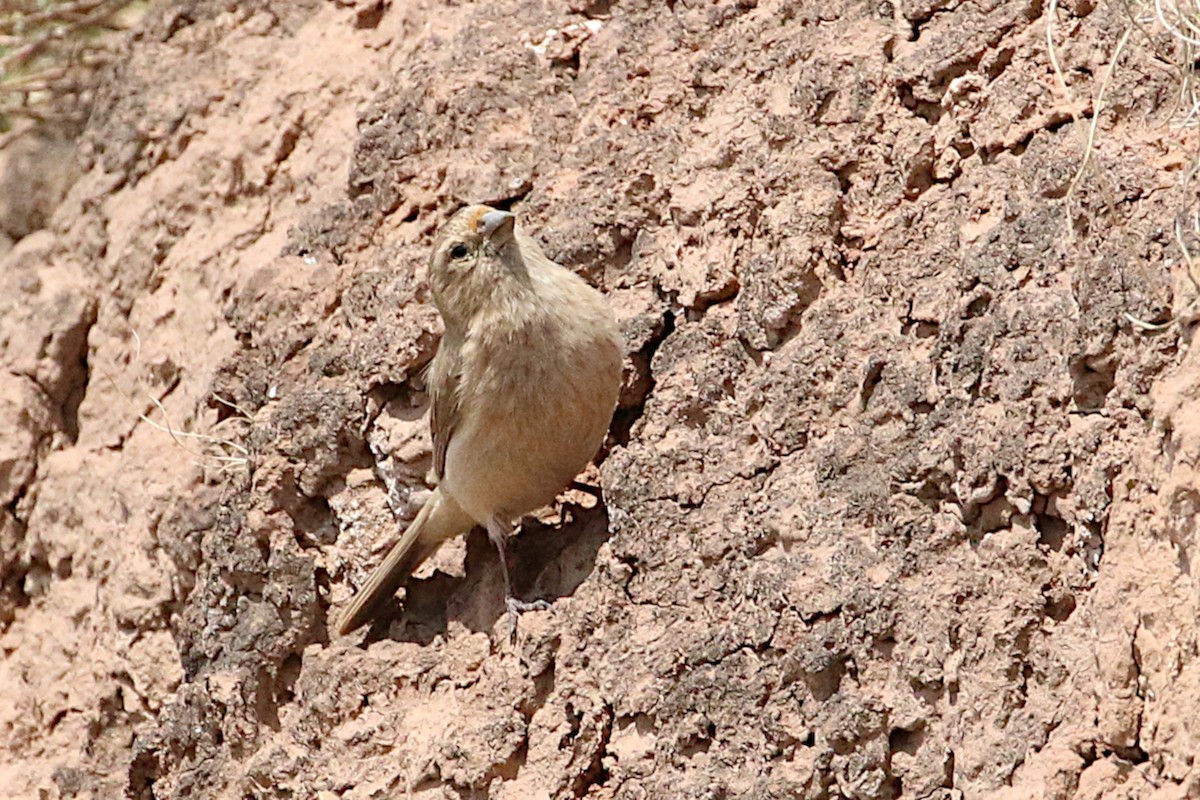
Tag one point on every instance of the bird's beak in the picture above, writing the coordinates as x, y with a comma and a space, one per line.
496, 226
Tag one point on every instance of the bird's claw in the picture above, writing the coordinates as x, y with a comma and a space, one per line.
517, 607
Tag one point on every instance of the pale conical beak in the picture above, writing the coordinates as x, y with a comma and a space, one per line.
496, 226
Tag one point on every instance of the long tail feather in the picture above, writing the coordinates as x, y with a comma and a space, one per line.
439, 519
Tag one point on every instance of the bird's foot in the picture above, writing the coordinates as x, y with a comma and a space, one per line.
518, 607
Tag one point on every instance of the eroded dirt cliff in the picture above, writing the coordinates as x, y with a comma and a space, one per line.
899, 502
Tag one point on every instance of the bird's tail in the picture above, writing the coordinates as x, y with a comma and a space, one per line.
440, 519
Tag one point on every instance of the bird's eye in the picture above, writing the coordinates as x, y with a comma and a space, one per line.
459, 251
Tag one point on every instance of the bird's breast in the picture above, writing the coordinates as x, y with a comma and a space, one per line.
535, 402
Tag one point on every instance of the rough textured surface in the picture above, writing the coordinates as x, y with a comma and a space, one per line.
898, 502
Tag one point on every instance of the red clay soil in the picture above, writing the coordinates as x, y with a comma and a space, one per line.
900, 501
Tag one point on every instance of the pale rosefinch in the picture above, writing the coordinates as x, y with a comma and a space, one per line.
523, 386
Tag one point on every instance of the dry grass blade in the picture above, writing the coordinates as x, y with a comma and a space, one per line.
1097, 106
1179, 19
240, 460
1176, 22
45, 49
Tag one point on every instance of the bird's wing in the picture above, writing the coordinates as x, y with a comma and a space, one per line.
443, 388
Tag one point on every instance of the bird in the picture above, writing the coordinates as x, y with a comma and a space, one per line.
523, 388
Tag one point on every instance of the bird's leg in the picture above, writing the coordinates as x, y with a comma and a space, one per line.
498, 530
586, 488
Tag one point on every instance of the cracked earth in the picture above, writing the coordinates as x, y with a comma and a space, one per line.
899, 501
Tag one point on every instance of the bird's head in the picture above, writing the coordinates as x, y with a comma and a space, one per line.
476, 253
